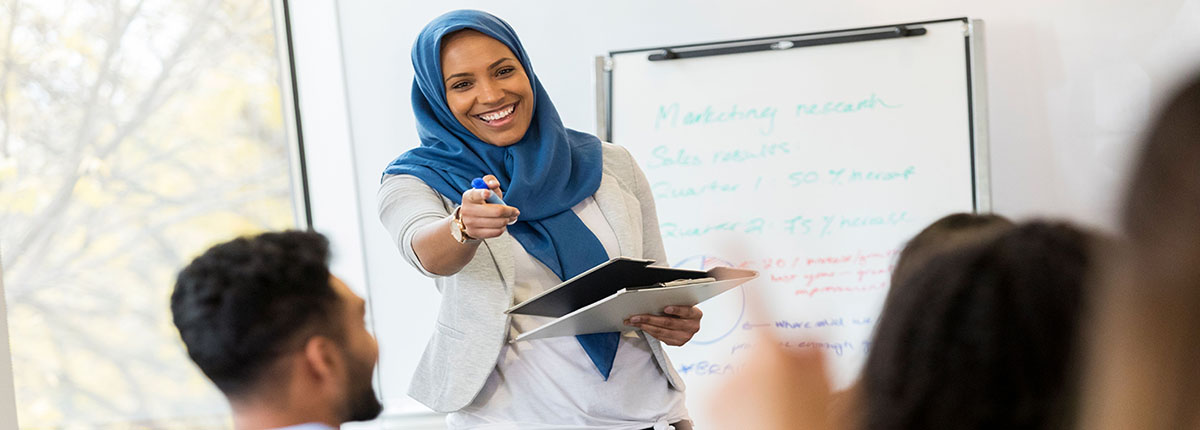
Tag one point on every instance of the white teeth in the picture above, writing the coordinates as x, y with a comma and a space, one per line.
498, 115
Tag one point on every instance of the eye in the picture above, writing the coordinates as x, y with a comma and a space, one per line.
505, 71
460, 85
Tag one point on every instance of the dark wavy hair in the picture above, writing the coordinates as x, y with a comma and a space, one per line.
243, 303
980, 336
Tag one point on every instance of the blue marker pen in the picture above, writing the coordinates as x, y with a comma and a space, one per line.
494, 199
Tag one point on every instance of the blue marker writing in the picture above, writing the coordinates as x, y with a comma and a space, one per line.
494, 199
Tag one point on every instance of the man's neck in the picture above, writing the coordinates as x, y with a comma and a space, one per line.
259, 416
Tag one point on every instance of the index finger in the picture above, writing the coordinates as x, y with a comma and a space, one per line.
491, 181
474, 196
493, 184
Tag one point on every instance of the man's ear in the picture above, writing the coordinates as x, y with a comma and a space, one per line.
321, 358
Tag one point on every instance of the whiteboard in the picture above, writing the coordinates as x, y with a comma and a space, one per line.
811, 165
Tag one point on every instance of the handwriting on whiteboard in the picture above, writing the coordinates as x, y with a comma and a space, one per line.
817, 225
763, 117
841, 176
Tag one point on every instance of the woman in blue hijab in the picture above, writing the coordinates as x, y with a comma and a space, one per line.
570, 202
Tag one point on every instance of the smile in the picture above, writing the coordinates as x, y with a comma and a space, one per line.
498, 116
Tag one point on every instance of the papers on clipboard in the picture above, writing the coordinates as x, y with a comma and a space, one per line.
599, 300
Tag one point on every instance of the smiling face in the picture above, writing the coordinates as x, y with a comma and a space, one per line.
486, 87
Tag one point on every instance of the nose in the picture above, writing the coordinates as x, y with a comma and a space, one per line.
490, 93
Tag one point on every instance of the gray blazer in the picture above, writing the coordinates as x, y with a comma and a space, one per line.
471, 324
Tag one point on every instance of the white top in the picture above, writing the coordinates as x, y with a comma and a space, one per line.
308, 426
552, 384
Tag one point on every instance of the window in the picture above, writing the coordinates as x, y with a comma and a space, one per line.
133, 135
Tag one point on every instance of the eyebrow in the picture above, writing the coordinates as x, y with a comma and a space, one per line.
490, 67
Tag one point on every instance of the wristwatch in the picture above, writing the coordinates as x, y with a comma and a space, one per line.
458, 230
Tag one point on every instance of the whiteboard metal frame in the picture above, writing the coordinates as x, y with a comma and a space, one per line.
976, 91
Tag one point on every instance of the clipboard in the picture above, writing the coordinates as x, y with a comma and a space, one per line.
599, 300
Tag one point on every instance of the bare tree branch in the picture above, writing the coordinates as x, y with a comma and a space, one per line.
150, 100
49, 215
22, 287
83, 264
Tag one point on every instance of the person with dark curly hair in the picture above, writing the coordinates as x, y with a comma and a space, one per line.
280, 336
982, 335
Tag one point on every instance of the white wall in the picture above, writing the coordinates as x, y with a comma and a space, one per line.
1070, 84
334, 187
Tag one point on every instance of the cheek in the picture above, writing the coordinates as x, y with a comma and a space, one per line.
459, 105
527, 105
528, 108
526, 117
370, 347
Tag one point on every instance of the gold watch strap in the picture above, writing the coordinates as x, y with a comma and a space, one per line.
462, 229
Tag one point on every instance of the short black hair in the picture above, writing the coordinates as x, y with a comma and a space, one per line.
243, 303
983, 335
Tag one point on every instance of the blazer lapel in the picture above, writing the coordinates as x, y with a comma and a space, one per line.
502, 249
611, 200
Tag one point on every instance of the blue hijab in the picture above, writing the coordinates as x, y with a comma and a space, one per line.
544, 174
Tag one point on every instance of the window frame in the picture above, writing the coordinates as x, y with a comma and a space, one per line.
8, 393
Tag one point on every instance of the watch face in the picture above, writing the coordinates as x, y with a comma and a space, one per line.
457, 229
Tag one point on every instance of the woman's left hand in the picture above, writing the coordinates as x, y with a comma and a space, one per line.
675, 328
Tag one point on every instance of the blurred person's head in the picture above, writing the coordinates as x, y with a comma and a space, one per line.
981, 335
956, 229
279, 335
951, 230
1144, 352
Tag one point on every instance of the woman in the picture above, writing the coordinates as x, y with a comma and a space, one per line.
982, 335
781, 389
979, 332
954, 231
572, 203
